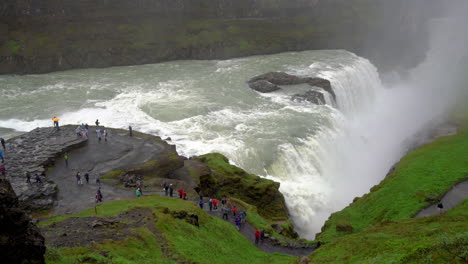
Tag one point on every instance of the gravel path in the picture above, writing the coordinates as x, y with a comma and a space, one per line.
452, 198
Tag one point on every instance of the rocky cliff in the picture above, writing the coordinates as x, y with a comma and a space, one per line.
49, 35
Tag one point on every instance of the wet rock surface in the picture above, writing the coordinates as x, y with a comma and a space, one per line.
20, 240
263, 83
311, 96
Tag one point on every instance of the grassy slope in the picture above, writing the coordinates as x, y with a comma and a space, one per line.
419, 240
216, 241
426, 172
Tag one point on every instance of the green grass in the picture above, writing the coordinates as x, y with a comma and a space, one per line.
436, 239
426, 172
215, 241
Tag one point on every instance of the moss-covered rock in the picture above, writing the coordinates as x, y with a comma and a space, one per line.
231, 181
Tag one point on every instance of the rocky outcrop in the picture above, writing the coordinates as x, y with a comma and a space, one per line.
50, 35
34, 152
20, 240
268, 82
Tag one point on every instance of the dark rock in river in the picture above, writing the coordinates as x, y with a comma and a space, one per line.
263, 86
20, 240
314, 97
282, 78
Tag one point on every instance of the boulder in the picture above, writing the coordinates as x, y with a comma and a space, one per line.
263, 86
311, 96
282, 78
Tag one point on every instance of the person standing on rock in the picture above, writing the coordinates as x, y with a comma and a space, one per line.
210, 204
98, 131
105, 135
38, 178
130, 130
99, 196
257, 236
65, 157
2, 140
56, 122
97, 122
28, 177
86, 176
78, 178
1, 156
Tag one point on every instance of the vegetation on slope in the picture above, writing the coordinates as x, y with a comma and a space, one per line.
163, 237
420, 179
435, 239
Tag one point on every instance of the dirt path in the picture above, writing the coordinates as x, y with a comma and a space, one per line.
99, 157
452, 198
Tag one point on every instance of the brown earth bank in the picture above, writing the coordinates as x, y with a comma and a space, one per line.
49, 35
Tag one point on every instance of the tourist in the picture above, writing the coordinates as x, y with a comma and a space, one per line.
180, 191
171, 190
56, 122
130, 130
237, 220
28, 177
105, 135
215, 204
234, 210
1, 156
441, 208
210, 204
243, 216
225, 211
262, 235
184, 196
98, 131
166, 188
2, 140
98, 180
257, 236
2, 169
224, 201
65, 157
99, 196
139, 188
97, 122
86, 126
229, 204
38, 178
78, 178
86, 176
138, 192
200, 203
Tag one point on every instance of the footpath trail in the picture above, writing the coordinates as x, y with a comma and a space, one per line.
98, 157
452, 198
248, 231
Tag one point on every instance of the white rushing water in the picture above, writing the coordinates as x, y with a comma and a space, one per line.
323, 156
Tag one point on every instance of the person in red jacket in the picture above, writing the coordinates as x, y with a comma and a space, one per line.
257, 236
184, 195
181, 192
215, 204
234, 210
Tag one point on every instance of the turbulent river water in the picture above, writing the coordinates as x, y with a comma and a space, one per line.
323, 156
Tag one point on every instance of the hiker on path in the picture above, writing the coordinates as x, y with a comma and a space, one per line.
56, 122
441, 208
105, 135
224, 201
215, 204
2, 140
1, 156
99, 196
86, 126
242, 216
229, 204
210, 204
86, 176
262, 235
225, 211
184, 196
257, 236
171, 190
65, 157
237, 220
234, 210
97, 122
28, 177
130, 130
2, 169
139, 188
180, 191
38, 178
166, 189
138, 192
78, 178
200, 203
98, 180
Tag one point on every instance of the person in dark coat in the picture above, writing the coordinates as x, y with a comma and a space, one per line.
86, 176
38, 178
171, 190
200, 203
3, 143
